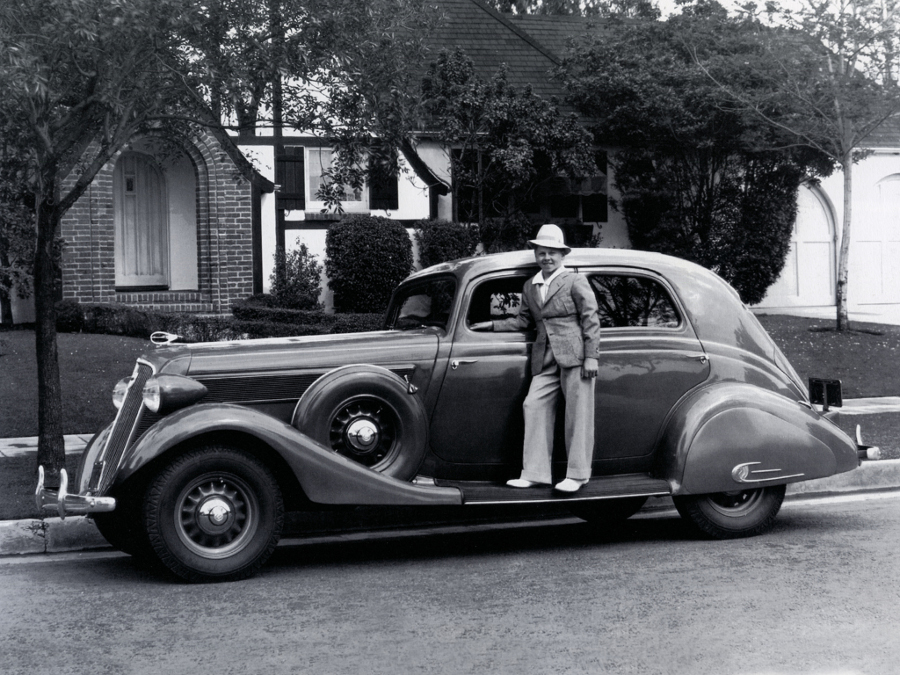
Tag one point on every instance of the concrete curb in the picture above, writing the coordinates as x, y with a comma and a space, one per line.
78, 533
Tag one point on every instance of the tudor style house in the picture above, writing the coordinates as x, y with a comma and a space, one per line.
193, 224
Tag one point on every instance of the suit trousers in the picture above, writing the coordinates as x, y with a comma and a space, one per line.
540, 408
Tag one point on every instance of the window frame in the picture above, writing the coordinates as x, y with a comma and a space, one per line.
683, 322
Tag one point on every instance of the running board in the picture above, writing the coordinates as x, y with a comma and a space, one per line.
602, 487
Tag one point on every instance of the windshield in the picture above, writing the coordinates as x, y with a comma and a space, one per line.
424, 303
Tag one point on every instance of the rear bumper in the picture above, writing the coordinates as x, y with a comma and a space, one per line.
64, 504
864, 451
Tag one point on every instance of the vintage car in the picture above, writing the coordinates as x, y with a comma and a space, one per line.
213, 442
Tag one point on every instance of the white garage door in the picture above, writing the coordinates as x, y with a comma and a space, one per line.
808, 278
875, 248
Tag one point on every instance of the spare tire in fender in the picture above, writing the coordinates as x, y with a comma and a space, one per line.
366, 414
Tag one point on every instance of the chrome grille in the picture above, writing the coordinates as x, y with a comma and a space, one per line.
122, 434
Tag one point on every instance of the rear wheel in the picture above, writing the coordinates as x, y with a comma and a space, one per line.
729, 515
214, 514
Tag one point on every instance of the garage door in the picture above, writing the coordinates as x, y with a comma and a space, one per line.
808, 277
875, 248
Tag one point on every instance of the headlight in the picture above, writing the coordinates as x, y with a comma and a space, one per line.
165, 393
119, 391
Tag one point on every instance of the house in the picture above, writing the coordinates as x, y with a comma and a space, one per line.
192, 224
807, 283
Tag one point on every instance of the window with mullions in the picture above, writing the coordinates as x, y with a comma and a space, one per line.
317, 166
633, 301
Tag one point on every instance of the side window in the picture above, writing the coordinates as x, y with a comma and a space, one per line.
424, 304
633, 301
496, 299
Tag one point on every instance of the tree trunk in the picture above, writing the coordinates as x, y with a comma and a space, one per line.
843, 315
51, 450
6, 315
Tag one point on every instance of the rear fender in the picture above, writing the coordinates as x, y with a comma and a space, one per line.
734, 436
325, 476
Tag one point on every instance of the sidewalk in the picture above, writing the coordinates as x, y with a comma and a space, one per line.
76, 533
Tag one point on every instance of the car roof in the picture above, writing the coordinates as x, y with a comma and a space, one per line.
672, 268
713, 307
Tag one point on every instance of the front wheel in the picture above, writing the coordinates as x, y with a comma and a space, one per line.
730, 515
214, 514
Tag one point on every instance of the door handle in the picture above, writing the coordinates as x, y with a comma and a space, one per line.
455, 363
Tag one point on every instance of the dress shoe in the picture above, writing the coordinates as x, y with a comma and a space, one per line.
522, 483
570, 484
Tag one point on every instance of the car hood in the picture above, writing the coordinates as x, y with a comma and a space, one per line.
308, 352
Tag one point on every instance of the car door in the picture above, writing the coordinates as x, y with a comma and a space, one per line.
650, 358
478, 415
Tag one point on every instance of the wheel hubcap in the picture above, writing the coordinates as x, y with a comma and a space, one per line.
365, 430
362, 435
216, 516
736, 503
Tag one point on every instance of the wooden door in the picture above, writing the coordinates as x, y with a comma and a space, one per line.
141, 221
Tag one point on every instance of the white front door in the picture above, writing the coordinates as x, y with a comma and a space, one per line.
141, 221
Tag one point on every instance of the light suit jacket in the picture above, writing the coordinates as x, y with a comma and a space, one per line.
568, 320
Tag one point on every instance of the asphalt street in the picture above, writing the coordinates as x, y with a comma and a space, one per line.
819, 595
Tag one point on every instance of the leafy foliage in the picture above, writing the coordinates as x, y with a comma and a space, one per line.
296, 279
699, 179
504, 141
367, 256
630, 8
440, 240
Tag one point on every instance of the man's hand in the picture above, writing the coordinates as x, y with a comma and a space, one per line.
482, 325
590, 368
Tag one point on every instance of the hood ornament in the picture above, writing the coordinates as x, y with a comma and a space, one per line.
161, 338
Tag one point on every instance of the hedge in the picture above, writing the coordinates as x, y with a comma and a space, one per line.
250, 320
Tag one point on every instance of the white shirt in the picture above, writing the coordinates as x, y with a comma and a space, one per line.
544, 284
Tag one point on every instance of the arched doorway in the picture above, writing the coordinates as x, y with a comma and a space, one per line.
141, 223
808, 277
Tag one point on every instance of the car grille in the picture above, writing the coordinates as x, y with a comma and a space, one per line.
123, 431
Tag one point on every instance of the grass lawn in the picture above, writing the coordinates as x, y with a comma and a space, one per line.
864, 360
91, 364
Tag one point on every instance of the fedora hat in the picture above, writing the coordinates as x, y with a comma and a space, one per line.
550, 236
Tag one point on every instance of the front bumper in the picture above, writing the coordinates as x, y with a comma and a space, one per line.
65, 504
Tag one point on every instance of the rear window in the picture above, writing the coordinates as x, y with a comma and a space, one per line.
633, 302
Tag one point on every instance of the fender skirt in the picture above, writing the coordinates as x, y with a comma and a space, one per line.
736, 437
325, 476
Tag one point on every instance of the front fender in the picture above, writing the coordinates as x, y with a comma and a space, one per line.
735, 436
325, 476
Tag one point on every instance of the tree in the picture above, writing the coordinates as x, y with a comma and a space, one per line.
631, 8
826, 77
501, 141
82, 77
16, 225
699, 179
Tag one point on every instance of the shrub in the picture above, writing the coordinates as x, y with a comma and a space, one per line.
296, 280
367, 256
442, 240
510, 233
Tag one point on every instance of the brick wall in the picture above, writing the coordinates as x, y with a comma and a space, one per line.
224, 249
